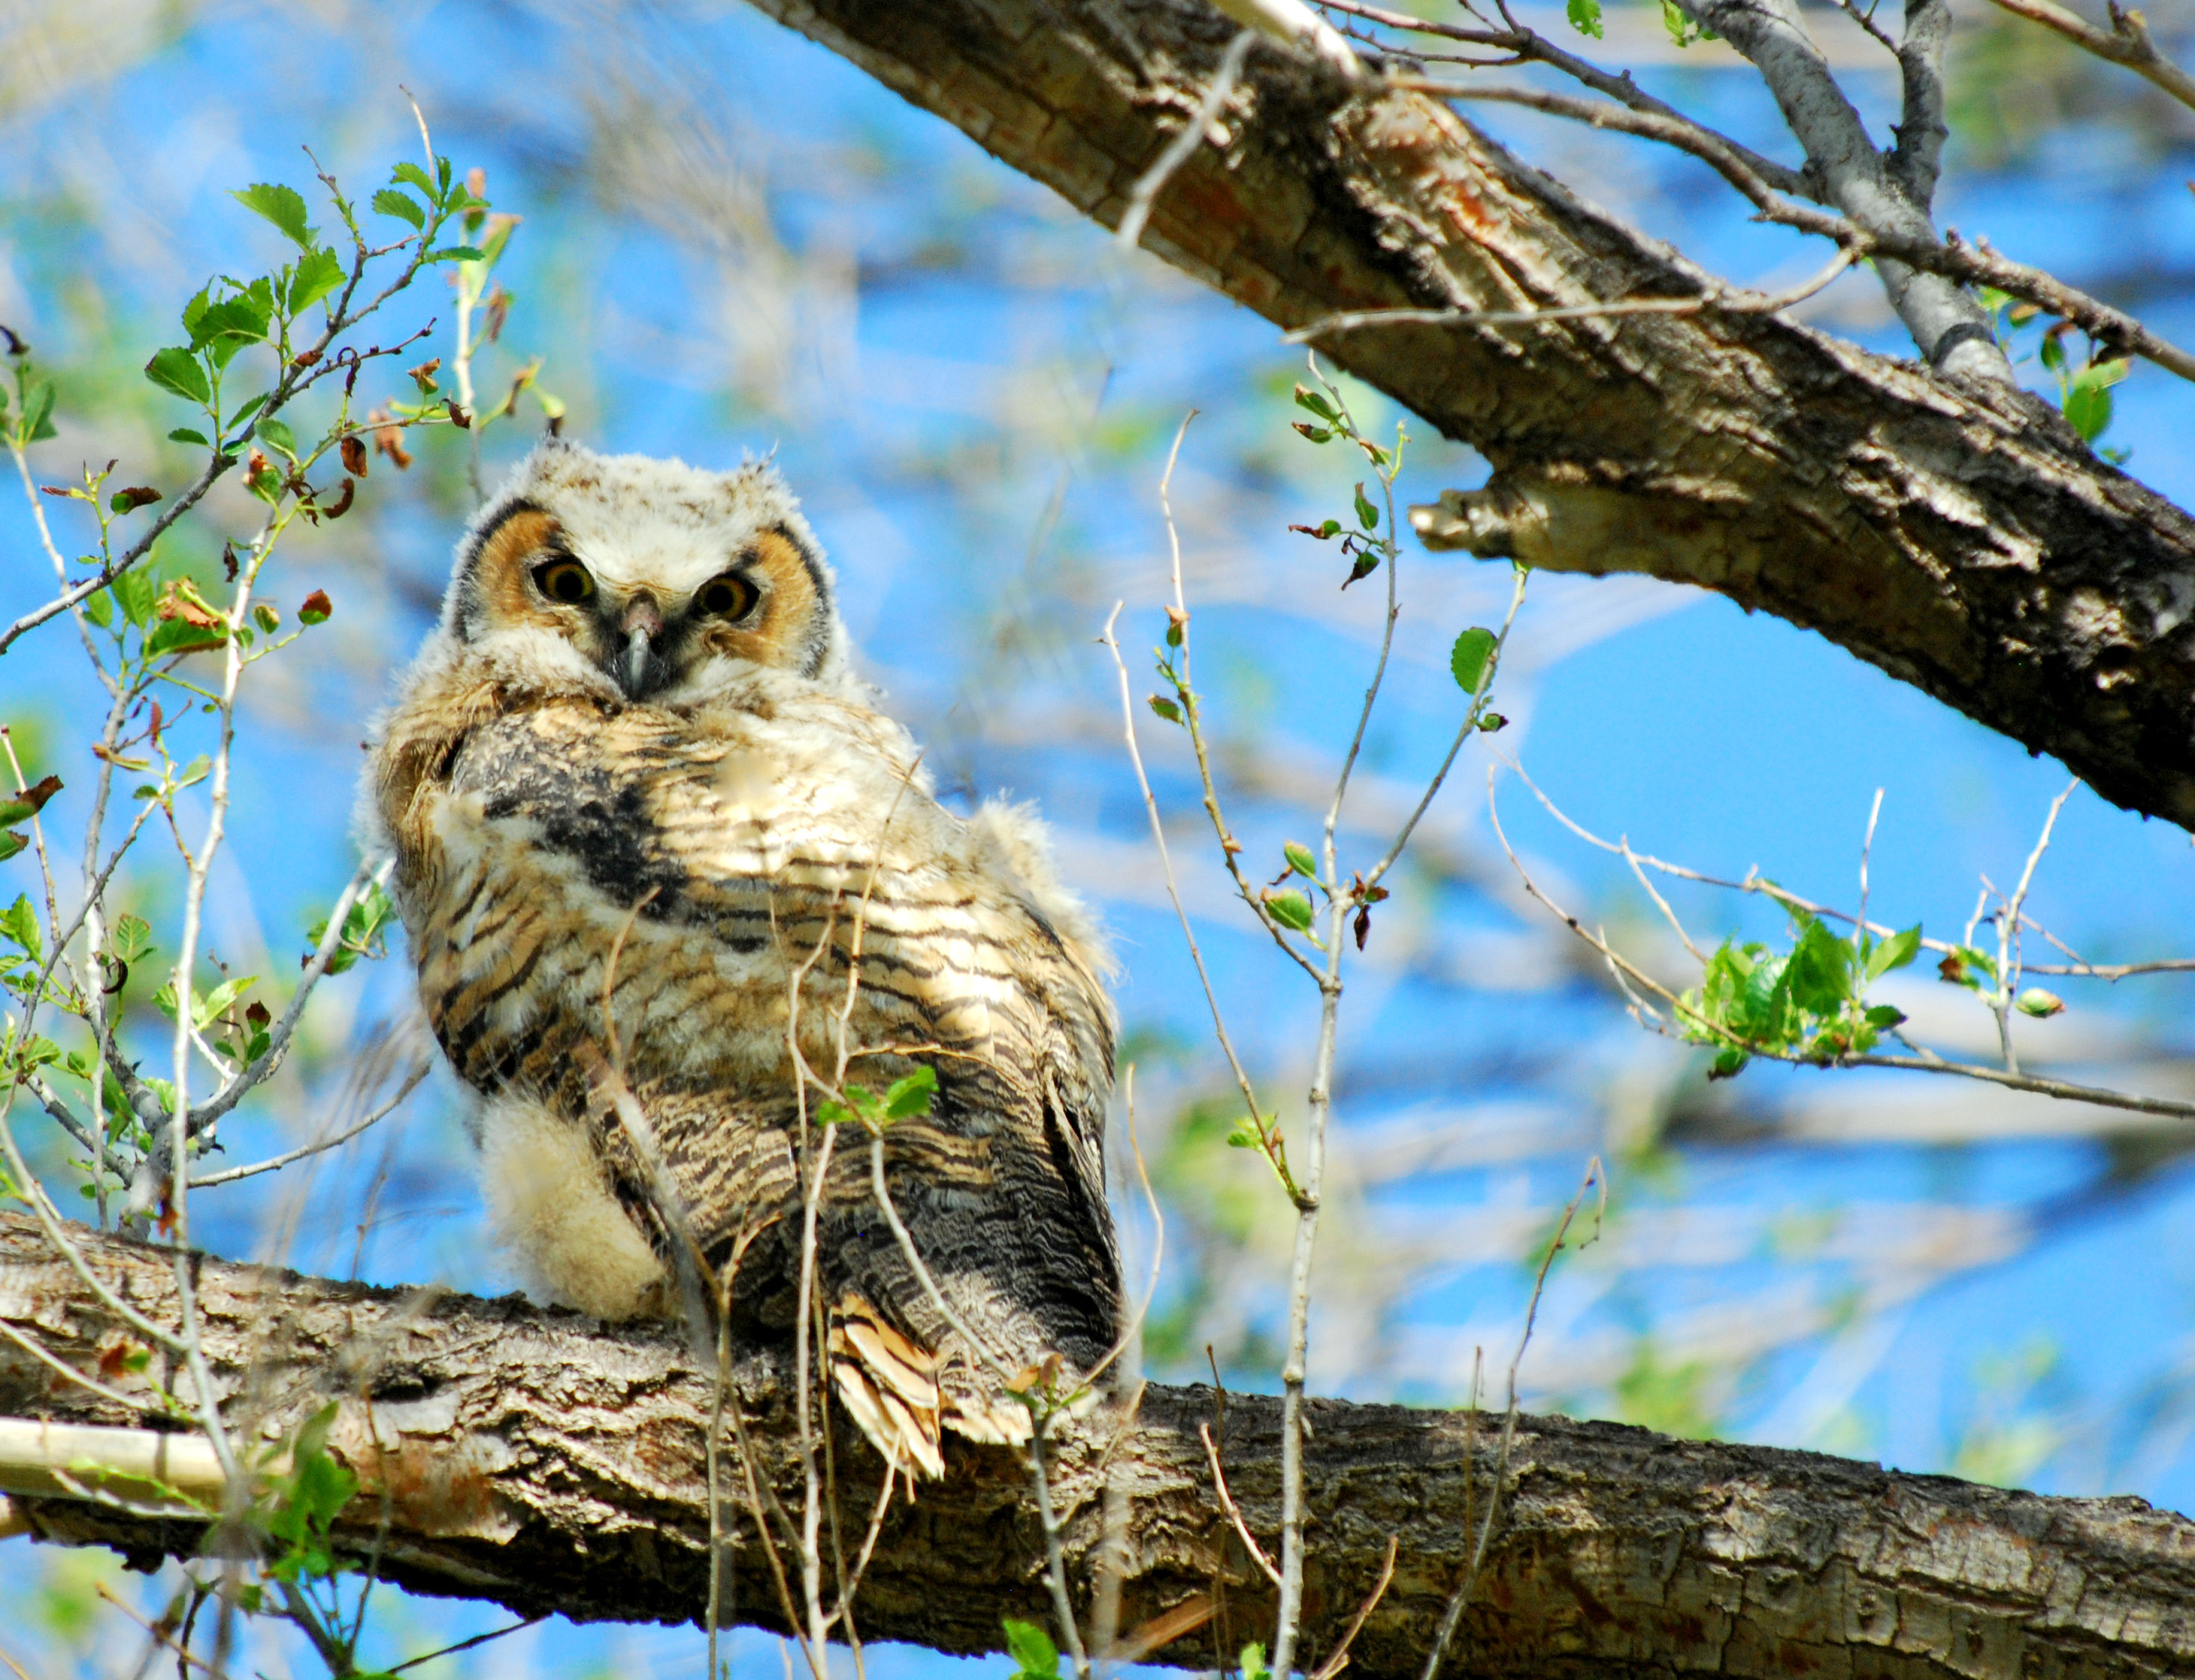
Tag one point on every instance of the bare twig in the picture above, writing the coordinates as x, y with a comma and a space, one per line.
1257, 1553
1595, 1179
2128, 42
275, 1163
1340, 1660
1733, 301
1951, 258
1183, 146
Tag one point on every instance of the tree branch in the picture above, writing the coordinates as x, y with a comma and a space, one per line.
1949, 326
538, 1459
2126, 43
1953, 532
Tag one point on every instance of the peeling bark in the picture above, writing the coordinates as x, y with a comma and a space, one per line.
1953, 532
535, 1459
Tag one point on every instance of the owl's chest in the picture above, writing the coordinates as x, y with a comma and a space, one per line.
707, 905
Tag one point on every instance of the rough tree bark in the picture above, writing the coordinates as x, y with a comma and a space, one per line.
535, 1459
1953, 532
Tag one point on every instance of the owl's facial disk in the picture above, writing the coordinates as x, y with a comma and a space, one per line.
654, 617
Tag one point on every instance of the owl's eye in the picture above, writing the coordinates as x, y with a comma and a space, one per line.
564, 580
730, 596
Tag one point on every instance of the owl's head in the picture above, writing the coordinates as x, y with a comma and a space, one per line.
642, 579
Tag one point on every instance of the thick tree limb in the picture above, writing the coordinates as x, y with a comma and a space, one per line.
1953, 532
537, 1459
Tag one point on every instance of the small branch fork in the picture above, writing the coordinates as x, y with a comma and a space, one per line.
1871, 205
1640, 987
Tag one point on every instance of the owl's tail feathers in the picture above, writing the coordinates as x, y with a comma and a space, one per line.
889, 1384
893, 1388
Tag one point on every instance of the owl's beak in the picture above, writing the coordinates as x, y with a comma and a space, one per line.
637, 665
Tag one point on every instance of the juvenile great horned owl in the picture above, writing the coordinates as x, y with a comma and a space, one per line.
643, 817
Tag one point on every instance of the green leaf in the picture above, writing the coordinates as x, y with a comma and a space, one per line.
176, 369
1894, 953
1300, 859
1585, 17
276, 433
32, 800
2052, 353
235, 322
1467, 659
178, 636
185, 434
458, 254
1291, 910
1367, 515
280, 205
217, 1001
1245, 1136
1253, 1664
1884, 1016
2041, 1005
19, 925
1035, 1657
361, 930
420, 178
401, 205
1819, 970
136, 589
99, 607
907, 1097
1307, 398
2088, 399
1166, 708
130, 939
318, 273
38, 422
194, 772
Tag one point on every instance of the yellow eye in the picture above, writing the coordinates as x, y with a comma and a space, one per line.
730, 596
564, 580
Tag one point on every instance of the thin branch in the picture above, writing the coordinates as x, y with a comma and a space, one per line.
1916, 161
1257, 1553
275, 1163
2076, 968
1166, 865
1340, 1660
2126, 43
1529, 43
1946, 324
1929, 1062
78, 1376
1595, 1177
1473, 713
1183, 146
1952, 258
1726, 300
477, 1639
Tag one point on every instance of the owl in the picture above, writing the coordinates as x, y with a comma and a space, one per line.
671, 881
